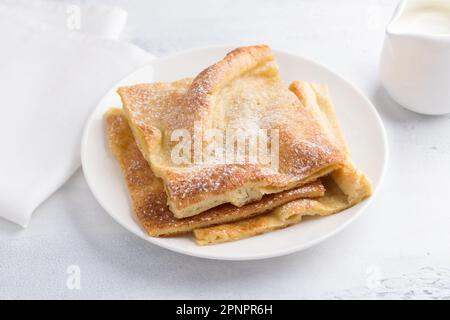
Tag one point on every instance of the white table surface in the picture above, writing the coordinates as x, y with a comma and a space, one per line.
400, 247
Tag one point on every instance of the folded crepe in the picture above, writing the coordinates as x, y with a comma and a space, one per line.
148, 197
242, 91
344, 187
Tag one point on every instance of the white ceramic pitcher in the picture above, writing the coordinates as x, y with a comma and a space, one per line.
415, 61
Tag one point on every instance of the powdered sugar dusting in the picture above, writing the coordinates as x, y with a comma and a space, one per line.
242, 91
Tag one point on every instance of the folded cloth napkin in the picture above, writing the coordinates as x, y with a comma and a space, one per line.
52, 76
104, 21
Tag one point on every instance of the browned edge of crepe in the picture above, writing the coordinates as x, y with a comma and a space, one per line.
148, 197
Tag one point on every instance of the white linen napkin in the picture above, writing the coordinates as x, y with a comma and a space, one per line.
99, 20
51, 78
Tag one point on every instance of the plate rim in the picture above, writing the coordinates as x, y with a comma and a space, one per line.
260, 256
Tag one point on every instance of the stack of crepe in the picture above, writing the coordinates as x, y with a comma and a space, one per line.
220, 202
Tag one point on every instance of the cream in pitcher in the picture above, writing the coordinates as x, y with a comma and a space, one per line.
415, 62
430, 18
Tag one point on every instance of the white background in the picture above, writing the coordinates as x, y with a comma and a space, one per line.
400, 247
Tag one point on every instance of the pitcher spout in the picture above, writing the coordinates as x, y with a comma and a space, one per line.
421, 19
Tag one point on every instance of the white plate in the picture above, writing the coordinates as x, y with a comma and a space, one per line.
360, 121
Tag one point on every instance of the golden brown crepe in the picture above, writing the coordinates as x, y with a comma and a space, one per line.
148, 197
242, 91
345, 187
